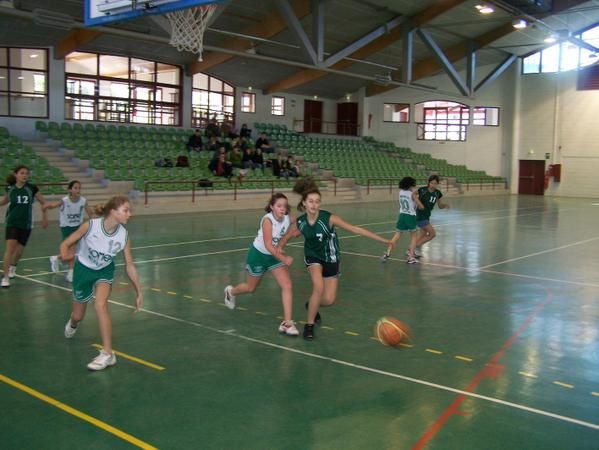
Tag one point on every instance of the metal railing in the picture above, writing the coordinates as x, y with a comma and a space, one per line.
423, 181
235, 184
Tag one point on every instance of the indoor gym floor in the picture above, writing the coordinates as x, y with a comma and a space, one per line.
504, 309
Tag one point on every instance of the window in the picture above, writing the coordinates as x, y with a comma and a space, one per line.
485, 116
396, 112
121, 89
278, 106
211, 98
248, 102
441, 121
23, 82
563, 56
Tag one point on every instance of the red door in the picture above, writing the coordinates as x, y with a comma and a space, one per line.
531, 177
347, 119
312, 116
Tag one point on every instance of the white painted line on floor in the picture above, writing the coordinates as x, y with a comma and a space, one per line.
538, 253
350, 364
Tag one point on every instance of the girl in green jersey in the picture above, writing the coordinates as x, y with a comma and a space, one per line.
321, 248
20, 195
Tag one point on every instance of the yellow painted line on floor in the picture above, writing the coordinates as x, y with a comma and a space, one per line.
302, 322
351, 333
134, 359
75, 412
27, 270
205, 300
401, 344
324, 327
171, 293
188, 296
260, 313
124, 283
156, 290
280, 317
241, 308
432, 350
528, 374
566, 385
463, 358
596, 394
374, 338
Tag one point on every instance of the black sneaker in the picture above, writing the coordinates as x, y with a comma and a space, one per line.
317, 319
309, 331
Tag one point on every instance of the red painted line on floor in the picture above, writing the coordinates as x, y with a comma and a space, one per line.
491, 370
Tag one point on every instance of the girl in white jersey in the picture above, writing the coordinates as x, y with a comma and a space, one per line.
100, 240
406, 222
262, 257
70, 218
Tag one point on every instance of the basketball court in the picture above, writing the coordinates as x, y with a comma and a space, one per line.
502, 307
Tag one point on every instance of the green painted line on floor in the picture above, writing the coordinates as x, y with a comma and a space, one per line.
124, 283
324, 327
171, 293
205, 300
188, 296
401, 344
351, 333
156, 290
260, 313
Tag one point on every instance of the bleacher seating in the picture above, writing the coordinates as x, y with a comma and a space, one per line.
14, 152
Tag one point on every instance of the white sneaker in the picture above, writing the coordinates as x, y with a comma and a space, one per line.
102, 361
229, 297
288, 327
69, 331
12, 271
69, 276
5, 282
54, 264
412, 260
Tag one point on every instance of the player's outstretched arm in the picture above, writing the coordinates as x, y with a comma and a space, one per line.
132, 274
339, 222
42, 201
73, 238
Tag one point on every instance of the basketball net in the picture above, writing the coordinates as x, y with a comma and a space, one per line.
188, 26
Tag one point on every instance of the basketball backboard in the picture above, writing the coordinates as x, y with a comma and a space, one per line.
102, 12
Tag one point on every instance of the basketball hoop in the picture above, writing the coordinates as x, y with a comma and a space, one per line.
188, 26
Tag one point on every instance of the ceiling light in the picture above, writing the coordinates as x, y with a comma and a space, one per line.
34, 55
484, 8
250, 88
20, 78
316, 97
550, 39
519, 24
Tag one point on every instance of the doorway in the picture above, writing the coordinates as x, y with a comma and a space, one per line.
531, 177
312, 116
347, 119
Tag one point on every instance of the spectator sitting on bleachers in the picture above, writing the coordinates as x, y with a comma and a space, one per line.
263, 143
258, 159
243, 144
212, 129
247, 161
235, 157
220, 167
195, 142
289, 168
245, 132
213, 144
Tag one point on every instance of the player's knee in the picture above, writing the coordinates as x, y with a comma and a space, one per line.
250, 289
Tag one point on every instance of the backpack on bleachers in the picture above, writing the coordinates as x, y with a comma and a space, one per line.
182, 161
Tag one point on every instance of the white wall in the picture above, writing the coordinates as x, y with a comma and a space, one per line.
485, 148
557, 119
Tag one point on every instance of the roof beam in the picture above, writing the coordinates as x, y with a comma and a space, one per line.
296, 27
419, 19
471, 67
318, 28
271, 25
407, 54
496, 72
76, 38
367, 39
430, 66
442, 59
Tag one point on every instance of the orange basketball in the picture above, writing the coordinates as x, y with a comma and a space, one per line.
390, 331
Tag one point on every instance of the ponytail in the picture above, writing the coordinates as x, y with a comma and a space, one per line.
304, 187
114, 203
